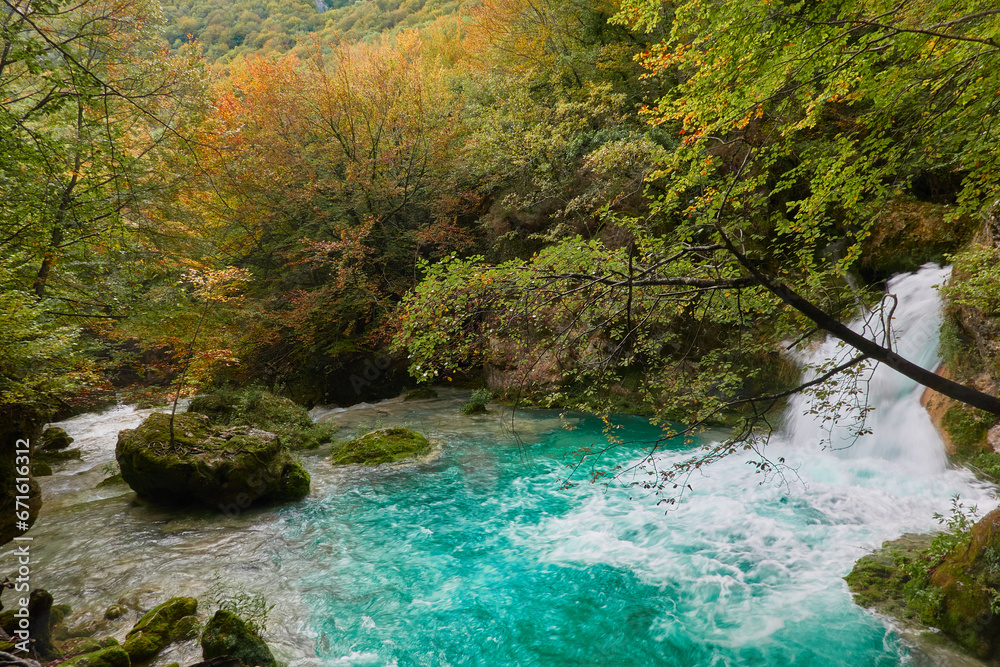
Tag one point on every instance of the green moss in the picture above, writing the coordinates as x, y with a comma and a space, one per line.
54, 439
880, 579
55, 457
385, 445
227, 634
261, 409
113, 656
59, 613
114, 480
41, 469
967, 426
155, 630
477, 402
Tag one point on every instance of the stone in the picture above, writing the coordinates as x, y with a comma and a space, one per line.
386, 445
115, 611
113, 656
157, 628
227, 635
41, 469
993, 438
55, 439
220, 468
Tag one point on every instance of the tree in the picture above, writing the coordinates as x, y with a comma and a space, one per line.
801, 126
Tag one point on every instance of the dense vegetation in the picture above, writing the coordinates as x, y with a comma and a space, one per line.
585, 203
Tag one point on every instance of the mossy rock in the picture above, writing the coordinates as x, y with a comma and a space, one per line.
227, 635
386, 445
54, 439
220, 468
878, 581
113, 656
263, 410
158, 628
41, 469
967, 427
420, 394
115, 612
967, 580
59, 613
56, 457
80, 645
114, 480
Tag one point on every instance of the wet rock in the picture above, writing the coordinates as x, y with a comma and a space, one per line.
54, 439
386, 445
113, 656
227, 635
420, 393
220, 468
158, 628
115, 611
40, 627
41, 469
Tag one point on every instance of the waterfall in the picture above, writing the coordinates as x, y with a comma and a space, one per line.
900, 429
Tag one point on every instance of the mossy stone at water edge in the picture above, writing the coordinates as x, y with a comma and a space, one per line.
113, 656
217, 467
158, 628
227, 634
385, 445
957, 594
55, 439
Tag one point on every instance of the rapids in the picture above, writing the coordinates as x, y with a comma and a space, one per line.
479, 557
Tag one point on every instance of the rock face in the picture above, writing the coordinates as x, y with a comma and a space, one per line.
385, 445
227, 635
162, 625
956, 592
217, 467
968, 580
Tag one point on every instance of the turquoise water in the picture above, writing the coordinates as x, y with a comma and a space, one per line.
481, 559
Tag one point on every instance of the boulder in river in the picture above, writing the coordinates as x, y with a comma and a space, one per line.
221, 468
227, 635
385, 445
159, 627
55, 439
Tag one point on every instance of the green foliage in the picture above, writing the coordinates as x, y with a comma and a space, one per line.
967, 426
251, 607
977, 279
477, 402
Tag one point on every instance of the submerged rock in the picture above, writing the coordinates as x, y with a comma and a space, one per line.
162, 625
385, 445
221, 468
420, 393
227, 635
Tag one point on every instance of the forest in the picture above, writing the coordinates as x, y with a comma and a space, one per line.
607, 206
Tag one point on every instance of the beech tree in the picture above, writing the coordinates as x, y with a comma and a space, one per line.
803, 127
